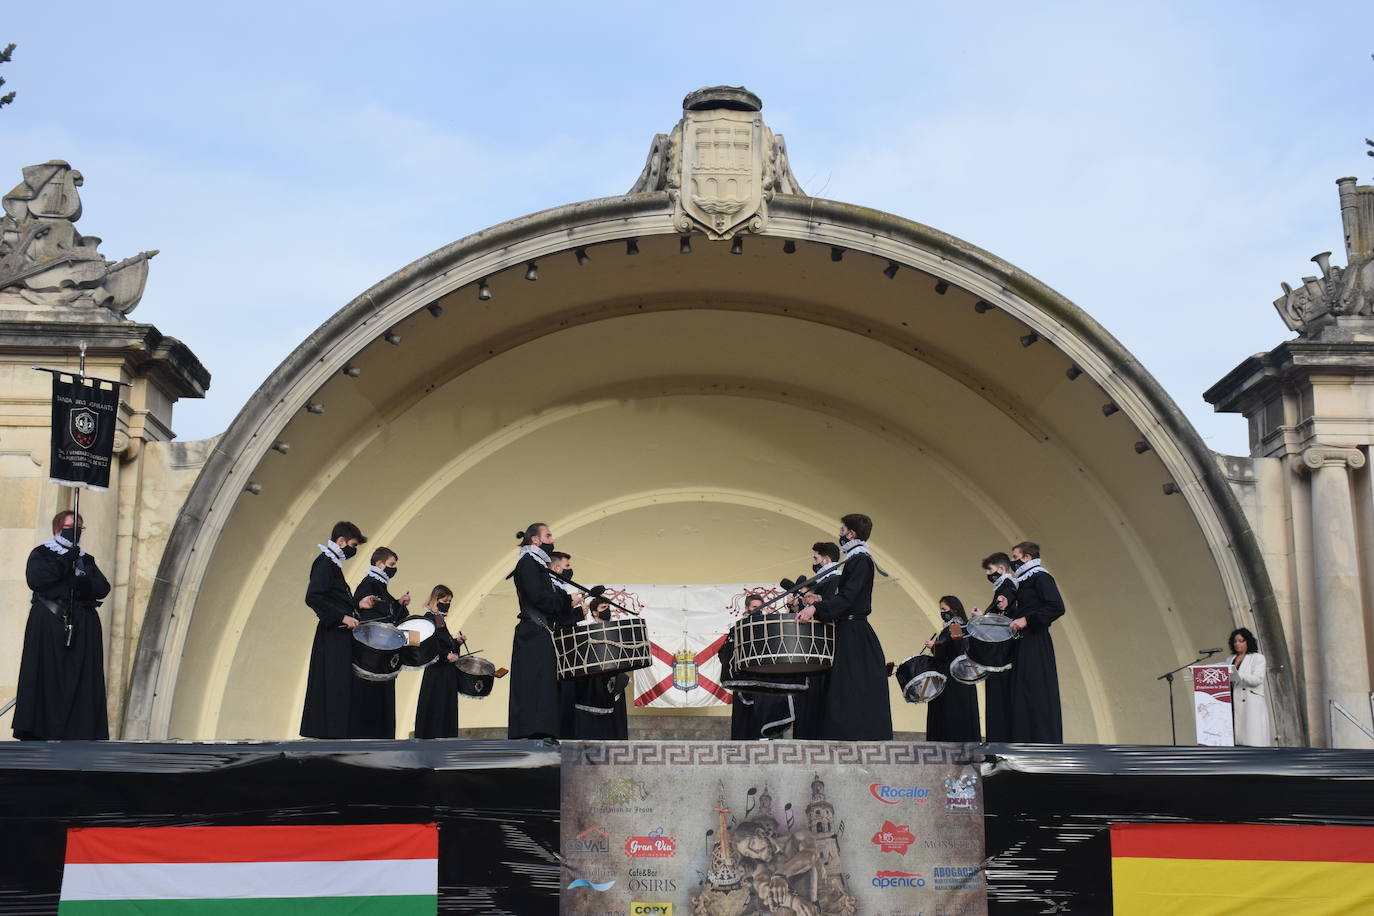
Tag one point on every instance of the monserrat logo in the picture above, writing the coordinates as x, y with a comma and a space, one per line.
893, 795
898, 879
894, 838
653, 846
583, 882
651, 909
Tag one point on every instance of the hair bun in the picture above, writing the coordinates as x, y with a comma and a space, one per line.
520, 535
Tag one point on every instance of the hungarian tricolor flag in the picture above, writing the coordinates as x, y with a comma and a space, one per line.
388, 869
1255, 869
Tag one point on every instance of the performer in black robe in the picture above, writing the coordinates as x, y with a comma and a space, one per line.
535, 707
599, 707
856, 705
61, 688
571, 610
436, 714
953, 715
825, 564
758, 710
372, 707
329, 682
1034, 687
997, 685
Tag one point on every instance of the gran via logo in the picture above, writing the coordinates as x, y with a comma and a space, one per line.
894, 795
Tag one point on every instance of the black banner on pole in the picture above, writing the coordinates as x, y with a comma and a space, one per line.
83, 427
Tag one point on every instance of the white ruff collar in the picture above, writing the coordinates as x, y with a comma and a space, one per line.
1002, 578
532, 550
377, 574
1030, 568
334, 552
854, 548
826, 571
60, 545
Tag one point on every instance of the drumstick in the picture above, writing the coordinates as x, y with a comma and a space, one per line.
582, 588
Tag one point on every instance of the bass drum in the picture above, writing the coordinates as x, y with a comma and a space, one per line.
918, 679
377, 651
476, 676
966, 671
602, 647
733, 679
422, 649
782, 644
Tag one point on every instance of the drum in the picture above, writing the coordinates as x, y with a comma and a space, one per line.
965, 671
476, 676
731, 678
991, 656
918, 679
782, 644
423, 651
377, 651
603, 647
991, 628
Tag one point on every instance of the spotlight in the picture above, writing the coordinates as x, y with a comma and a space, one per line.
312, 407
483, 291
836, 254
392, 338
738, 246
531, 271
789, 247
582, 257
280, 446
982, 305
942, 287
1109, 408
684, 245
253, 487
891, 269
1072, 373
632, 246
1170, 488
1142, 447
435, 309
352, 371
1029, 339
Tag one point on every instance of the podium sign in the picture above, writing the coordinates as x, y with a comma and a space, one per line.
1212, 705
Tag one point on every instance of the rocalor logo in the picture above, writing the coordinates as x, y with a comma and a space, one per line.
894, 838
893, 795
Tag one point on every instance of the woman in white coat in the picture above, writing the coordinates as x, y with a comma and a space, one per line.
1249, 706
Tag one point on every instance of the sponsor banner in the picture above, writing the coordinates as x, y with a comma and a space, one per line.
1212, 705
764, 828
687, 625
83, 429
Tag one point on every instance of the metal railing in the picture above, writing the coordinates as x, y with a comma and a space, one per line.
1335, 707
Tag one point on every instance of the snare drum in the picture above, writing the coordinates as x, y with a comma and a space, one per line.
991, 656
422, 649
992, 628
476, 676
377, 651
919, 680
603, 647
782, 644
966, 671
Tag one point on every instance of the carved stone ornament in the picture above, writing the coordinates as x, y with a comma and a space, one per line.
721, 165
46, 263
1338, 293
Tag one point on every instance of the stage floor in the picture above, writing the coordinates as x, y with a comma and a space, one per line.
1048, 809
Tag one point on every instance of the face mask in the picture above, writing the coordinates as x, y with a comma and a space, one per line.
844, 539
993, 577
816, 567
444, 606
567, 574
390, 572
946, 616
1017, 564
350, 552
68, 534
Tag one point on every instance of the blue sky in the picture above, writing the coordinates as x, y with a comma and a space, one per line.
1162, 165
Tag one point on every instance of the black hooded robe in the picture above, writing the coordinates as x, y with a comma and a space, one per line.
808, 702
436, 713
855, 705
997, 685
953, 715
536, 701
372, 705
61, 689
1034, 677
329, 682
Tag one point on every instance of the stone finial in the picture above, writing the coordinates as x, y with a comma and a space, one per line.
1326, 302
721, 165
45, 262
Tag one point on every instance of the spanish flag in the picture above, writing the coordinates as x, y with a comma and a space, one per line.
1255, 869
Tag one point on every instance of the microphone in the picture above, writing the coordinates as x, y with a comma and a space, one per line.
1208, 651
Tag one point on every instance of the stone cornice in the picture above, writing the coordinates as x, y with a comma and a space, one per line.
1292, 360
166, 361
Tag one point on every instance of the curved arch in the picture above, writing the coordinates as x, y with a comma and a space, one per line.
437, 276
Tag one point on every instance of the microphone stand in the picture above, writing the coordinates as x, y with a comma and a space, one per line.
1169, 677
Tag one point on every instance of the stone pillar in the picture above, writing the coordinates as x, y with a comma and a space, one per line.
1341, 640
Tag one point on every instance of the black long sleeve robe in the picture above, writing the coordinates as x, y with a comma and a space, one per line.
808, 703
372, 704
61, 689
997, 685
953, 715
328, 685
855, 705
1034, 677
536, 707
436, 713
